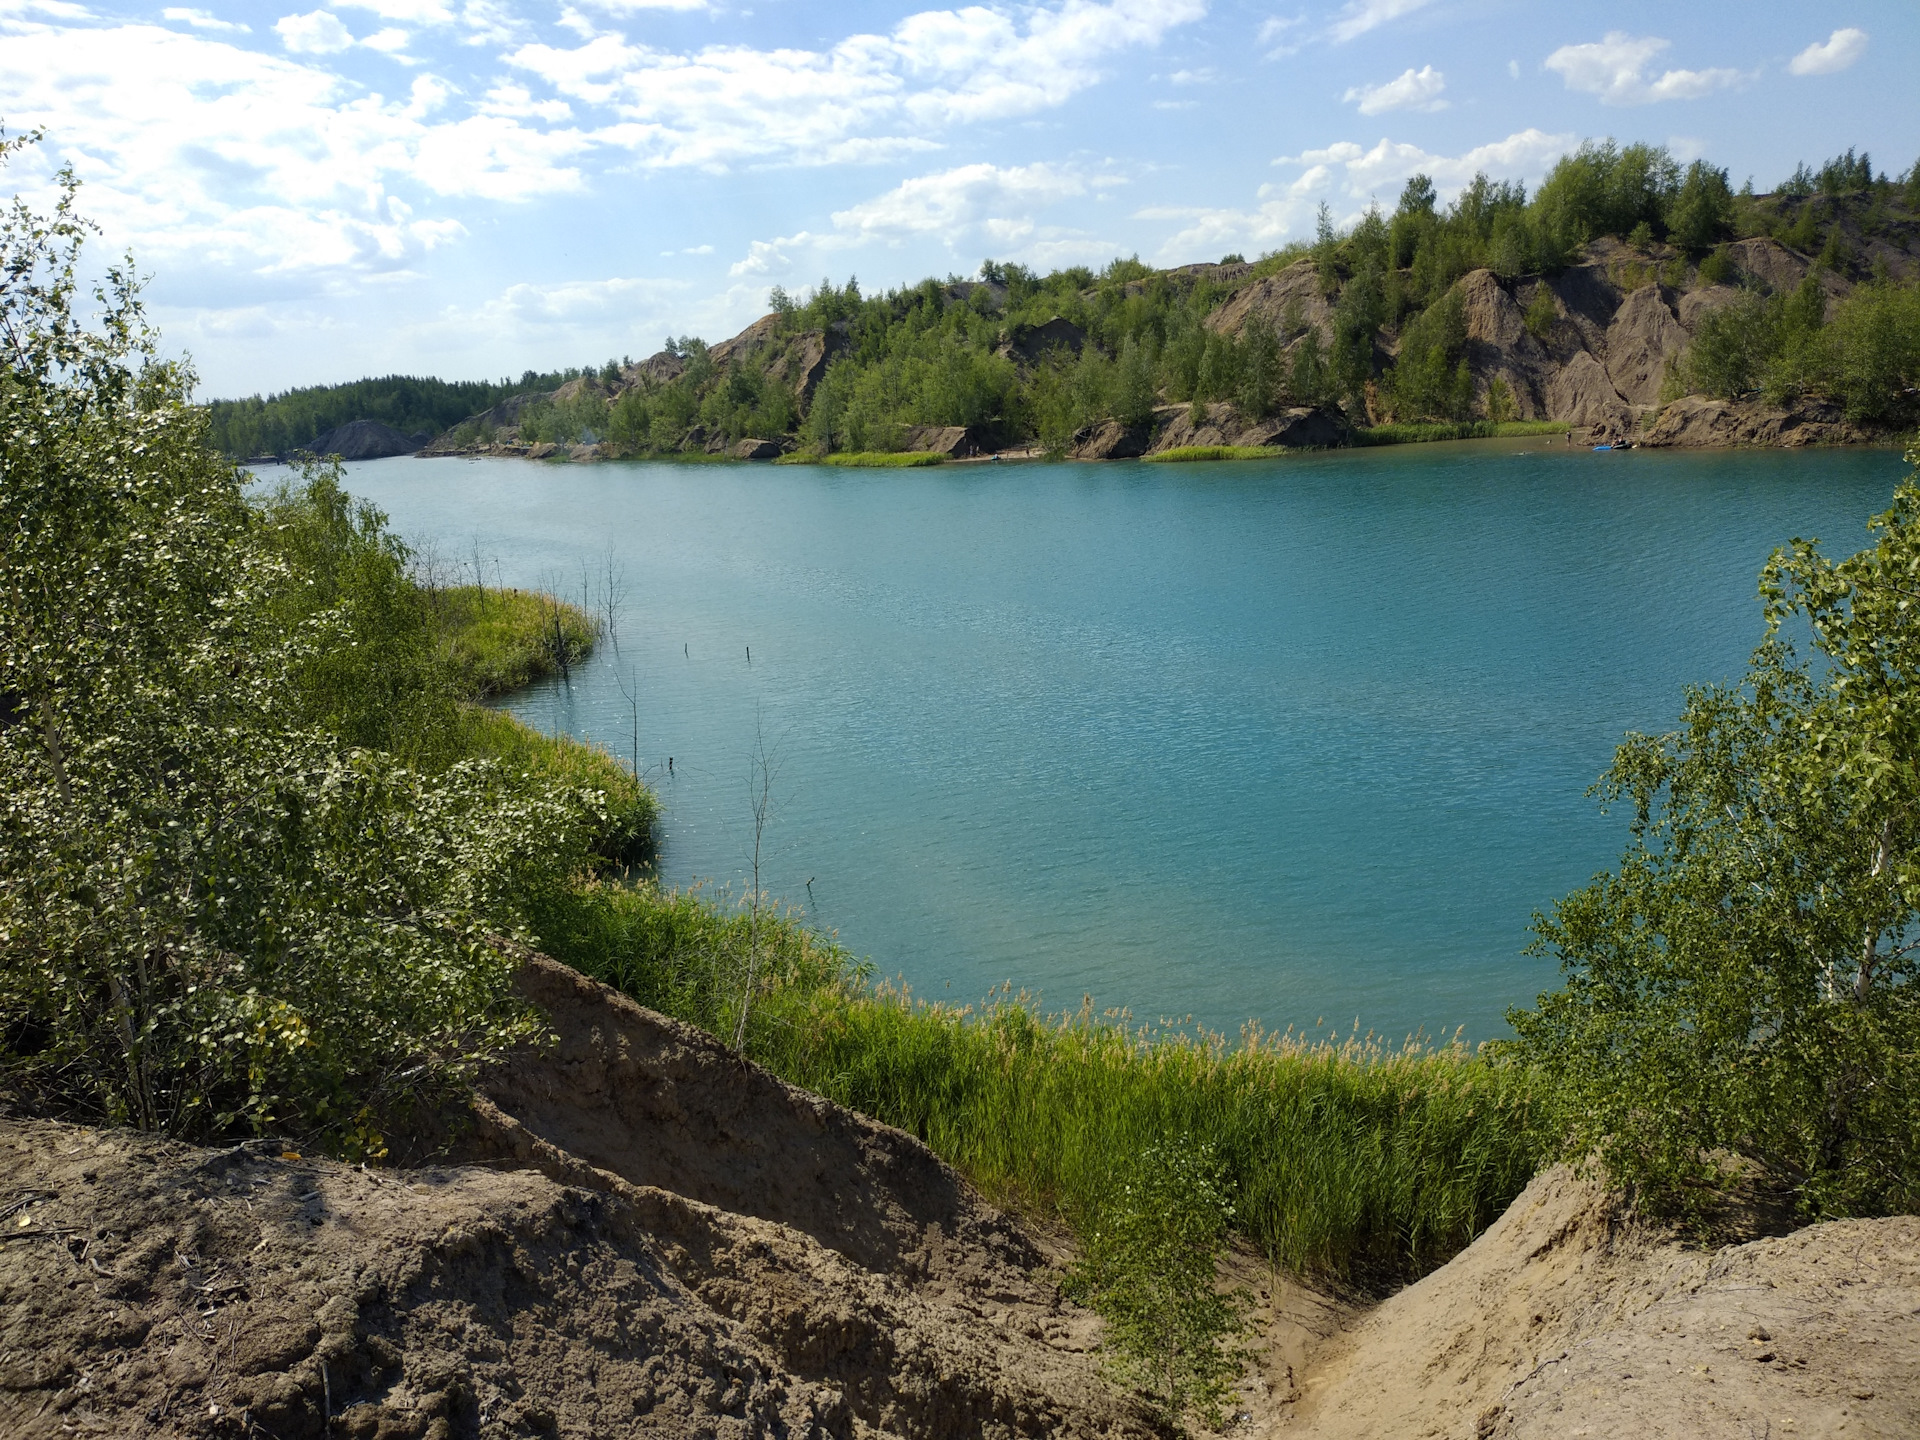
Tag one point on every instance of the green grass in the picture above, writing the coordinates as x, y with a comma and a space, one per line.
1219, 452
877, 459
1421, 434
501, 640
1357, 1160
1351, 1159
560, 761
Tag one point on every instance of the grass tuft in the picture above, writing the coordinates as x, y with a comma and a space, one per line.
1219, 452
875, 459
1346, 1158
1353, 1159
1420, 434
500, 640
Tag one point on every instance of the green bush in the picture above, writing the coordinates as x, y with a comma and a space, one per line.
1147, 1265
1743, 986
217, 911
1179, 453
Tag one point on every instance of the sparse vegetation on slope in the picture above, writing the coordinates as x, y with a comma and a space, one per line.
1467, 314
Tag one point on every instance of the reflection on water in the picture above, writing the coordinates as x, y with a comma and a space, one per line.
1287, 740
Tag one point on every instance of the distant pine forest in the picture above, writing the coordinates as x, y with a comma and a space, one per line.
1479, 309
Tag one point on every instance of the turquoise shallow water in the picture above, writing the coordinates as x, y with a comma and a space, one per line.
1293, 740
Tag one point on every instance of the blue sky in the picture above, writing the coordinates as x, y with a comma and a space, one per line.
474, 187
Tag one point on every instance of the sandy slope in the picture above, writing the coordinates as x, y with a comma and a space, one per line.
774, 1266
1566, 1320
648, 1236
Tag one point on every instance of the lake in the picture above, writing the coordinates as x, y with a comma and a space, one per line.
1301, 741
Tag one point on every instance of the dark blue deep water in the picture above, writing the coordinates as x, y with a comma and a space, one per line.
1294, 740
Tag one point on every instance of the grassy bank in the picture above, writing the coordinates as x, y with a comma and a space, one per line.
560, 761
867, 459
1218, 452
1351, 1159
500, 640
1462, 430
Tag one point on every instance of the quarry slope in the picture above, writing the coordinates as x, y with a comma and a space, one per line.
639, 1233
1569, 1318
722, 1255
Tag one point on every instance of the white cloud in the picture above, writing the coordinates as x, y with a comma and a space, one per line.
1202, 76
1513, 69
201, 153
870, 96
994, 205
1000, 198
1350, 176
410, 12
1360, 16
1615, 69
315, 33
1273, 30
1839, 50
1522, 155
202, 20
626, 6
1415, 90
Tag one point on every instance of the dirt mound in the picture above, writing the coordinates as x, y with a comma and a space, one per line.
1297, 427
1110, 440
1644, 339
1290, 303
1567, 1318
774, 1266
1698, 422
1030, 343
366, 440
958, 441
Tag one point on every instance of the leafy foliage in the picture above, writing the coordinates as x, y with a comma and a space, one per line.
1148, 1266
1866, 356
1743, 985
293, 419
218, 910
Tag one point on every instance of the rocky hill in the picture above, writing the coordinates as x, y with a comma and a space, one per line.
1136, 361
1612, 339
636, 1232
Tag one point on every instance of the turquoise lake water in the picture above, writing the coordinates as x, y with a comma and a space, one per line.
1295, 740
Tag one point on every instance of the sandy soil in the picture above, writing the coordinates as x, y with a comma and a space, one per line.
774, 1266
640, 1234
1568, 1319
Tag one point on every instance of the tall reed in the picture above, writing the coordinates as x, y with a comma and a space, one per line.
1350, 1158
1347, 1157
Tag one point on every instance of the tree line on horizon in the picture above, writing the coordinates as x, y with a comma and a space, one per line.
938, 354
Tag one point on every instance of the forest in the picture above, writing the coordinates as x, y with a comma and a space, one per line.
1032, 358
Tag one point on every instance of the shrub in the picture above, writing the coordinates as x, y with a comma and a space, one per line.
1743, 986
1148, 1265
1542, 311
1702, 211
216, 913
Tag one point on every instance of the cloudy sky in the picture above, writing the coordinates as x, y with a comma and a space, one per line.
474, 187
